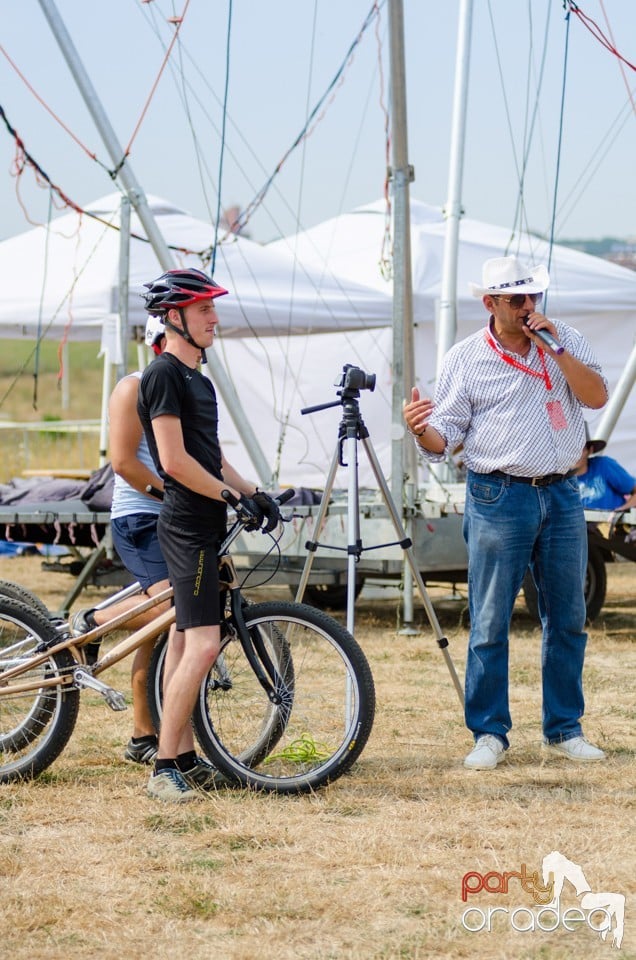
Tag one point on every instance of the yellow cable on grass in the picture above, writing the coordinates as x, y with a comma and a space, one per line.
303, 750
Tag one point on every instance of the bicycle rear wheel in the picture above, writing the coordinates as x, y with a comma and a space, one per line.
324, 721
35, 723
15, 591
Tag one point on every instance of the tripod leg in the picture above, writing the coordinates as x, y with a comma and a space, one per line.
322, 511
354, 543
442, 641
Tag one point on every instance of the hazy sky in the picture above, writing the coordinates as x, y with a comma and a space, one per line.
283, 56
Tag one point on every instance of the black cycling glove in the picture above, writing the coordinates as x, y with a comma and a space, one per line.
269, 508
250, 512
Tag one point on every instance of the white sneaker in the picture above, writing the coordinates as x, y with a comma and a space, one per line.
486, 754
577, 748
170, 786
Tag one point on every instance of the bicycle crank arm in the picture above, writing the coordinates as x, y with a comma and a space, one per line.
82, 679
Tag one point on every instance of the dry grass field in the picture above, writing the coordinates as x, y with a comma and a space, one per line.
370, 868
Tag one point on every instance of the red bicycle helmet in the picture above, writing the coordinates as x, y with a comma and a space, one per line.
178, 288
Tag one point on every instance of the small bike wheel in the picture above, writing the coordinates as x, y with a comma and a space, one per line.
37, 717
325, 716
15, 591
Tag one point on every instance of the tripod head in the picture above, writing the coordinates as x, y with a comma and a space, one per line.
352, 381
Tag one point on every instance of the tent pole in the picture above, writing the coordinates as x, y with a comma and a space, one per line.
447, 329
103, 426
446, 307
140, 203
617, 401
124, 275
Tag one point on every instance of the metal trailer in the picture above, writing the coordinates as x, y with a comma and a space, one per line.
436, 531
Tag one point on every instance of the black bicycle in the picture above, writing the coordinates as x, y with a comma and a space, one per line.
287, 707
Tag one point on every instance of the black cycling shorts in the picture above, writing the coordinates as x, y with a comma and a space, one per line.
192, 561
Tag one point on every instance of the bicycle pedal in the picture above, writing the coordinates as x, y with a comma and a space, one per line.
115, 700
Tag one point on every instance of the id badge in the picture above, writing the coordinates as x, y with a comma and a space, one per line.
556, 415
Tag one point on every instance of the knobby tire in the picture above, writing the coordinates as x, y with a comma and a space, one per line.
35, 725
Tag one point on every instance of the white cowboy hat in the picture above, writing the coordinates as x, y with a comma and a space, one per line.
507, 276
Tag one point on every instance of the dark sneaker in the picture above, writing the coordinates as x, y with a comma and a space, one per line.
171, 787
203, 775
81, 624
142, 751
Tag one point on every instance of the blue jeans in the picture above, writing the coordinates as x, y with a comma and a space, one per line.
509, 527
135, 540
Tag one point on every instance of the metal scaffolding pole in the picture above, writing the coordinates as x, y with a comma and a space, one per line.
138, 199
403, 455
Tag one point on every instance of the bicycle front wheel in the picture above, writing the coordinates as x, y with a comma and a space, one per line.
37, 715
326, 712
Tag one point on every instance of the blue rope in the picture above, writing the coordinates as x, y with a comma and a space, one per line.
222, 153
558, 163
260, 196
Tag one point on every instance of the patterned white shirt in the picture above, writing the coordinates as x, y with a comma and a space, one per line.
506, 418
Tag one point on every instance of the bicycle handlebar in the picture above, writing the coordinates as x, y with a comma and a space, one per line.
280, 499
227, 496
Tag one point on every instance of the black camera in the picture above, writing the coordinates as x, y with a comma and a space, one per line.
353, 378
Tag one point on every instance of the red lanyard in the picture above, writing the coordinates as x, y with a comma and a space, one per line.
544, 375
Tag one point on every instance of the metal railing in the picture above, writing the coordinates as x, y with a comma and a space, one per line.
48, 445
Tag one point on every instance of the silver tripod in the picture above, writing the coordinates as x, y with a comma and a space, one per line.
350, 430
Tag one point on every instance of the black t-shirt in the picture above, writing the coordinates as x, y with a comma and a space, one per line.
170, 388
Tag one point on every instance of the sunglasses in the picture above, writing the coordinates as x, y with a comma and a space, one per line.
518, 300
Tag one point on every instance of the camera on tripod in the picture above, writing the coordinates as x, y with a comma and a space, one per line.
354, 379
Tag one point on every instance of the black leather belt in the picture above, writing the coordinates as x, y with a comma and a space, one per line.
544, 481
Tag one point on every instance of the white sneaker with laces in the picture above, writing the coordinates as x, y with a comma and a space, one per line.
577, 749
486, 754
169, 785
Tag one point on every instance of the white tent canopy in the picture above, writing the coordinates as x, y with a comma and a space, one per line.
591, 294
349, 246
65, 279
302, 307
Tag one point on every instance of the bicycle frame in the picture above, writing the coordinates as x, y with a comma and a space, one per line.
83, 676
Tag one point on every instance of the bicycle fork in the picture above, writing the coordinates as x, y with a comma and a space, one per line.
253, 644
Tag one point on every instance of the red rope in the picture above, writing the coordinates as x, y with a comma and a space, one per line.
178, 22
46, 107
621, 67
597, 33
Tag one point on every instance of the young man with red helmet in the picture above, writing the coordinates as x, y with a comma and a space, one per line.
178, 409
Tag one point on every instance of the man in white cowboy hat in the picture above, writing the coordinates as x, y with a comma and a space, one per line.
516, 405
603, 483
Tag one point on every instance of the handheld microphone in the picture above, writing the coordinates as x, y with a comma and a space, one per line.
546, 338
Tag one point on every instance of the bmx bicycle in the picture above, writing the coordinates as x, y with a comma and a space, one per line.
288, 706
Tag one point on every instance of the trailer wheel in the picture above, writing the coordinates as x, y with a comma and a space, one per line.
595, 587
